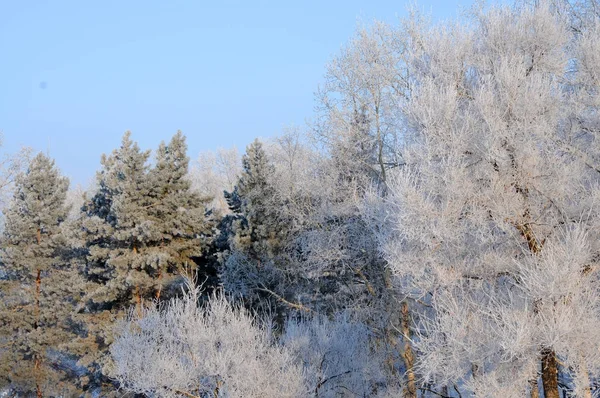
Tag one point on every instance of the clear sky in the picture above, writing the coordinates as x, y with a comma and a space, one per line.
74, 75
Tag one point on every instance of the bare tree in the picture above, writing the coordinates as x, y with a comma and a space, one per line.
215, 172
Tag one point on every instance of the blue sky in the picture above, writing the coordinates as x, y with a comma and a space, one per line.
74, 75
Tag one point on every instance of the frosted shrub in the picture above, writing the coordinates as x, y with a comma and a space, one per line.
212, 351
337, 356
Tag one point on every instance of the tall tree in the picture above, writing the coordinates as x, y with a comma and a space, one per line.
261, 233
181, 229
364, 85
116, 227
110, 231
140, 229
492, 221
362, 129
256, 234
36, 295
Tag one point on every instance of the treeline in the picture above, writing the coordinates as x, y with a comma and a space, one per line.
66, 282
433, 232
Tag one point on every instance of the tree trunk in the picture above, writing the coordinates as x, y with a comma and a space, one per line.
217, 389
549, 364
138, 301
159, 288
379, 144
390, 333
37, 365
38, 290
475, 370
409, 357
585, 375
535, 393
38, 388
137, 295
549, 373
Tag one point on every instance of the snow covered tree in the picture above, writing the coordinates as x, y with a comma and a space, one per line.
106, 295
215, 172
116, 227
257, 233
580, 13
339, 356
325, 262
10, 166
218, 350
493, 221
137, 233
261, 231
360, 126
364, 85
37, 293
181, 230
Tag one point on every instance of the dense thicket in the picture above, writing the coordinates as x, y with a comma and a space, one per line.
433, 232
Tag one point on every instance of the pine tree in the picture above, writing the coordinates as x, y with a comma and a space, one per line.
141, 228
36, 301
257, 234
116, 226
180, 228
261, 232
354, 153
110, 235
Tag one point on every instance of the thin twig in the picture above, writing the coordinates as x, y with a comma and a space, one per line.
297, 306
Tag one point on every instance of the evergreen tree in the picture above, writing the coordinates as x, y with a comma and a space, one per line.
138, 231
180, 228
115, 227
110, 230
354, 153
257, 234
260, 232
34, 309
